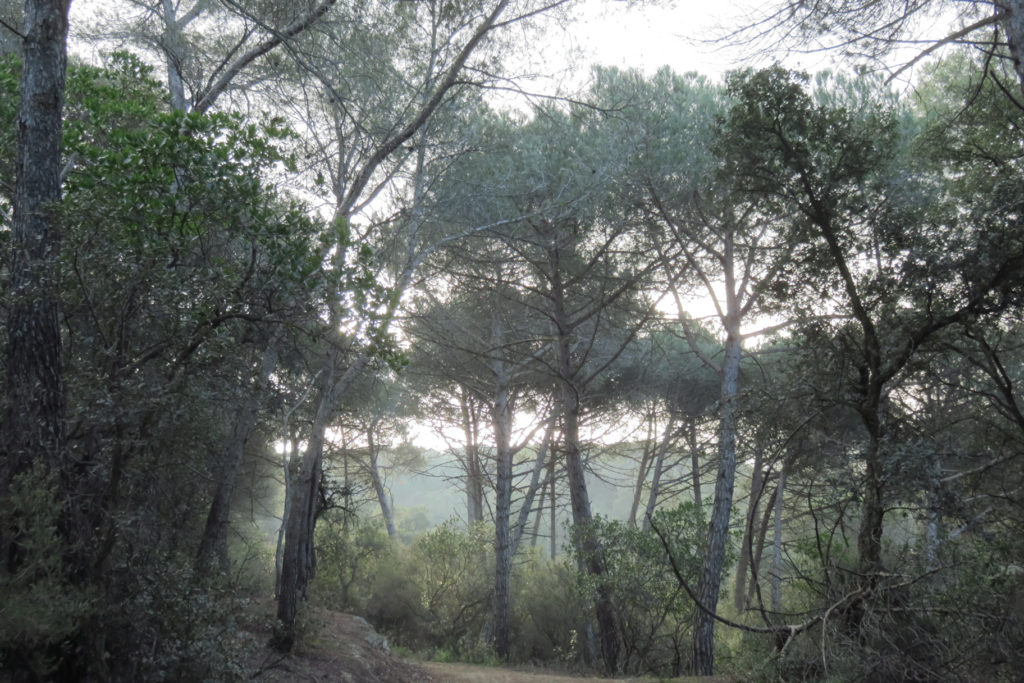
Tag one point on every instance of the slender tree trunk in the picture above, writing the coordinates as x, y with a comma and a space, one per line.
762, 534
659, 470
553, 540
776, 580
756, 490
643, 469
691, 434
214, 539
526, 508
535, 532
502, 420
718, 531
297, 558
474, 473
173, 55
378, 485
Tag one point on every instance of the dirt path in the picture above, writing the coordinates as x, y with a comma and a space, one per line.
467, 673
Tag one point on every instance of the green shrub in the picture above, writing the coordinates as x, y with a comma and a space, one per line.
437, 593
41, 610
350, 556
653, 613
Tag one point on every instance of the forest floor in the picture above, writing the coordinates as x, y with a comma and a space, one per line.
341, 648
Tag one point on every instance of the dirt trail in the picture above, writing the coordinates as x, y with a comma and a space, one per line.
340, 648
467, 673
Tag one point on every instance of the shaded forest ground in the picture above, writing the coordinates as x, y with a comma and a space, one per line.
341, 648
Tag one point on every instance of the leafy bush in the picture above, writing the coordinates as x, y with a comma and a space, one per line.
351, 554
653, 613
548, 613
40, 607
437, 593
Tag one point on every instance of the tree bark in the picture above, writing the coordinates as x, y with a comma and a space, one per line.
591, 551
1013, 25
718, 532
35, 404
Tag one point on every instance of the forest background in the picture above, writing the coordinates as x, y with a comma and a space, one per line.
725, 372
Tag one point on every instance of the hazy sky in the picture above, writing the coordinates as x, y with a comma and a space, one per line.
681, 35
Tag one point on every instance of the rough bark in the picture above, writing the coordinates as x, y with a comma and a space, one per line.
1013, 25
591, 551
35, 391
35, 405
718, 531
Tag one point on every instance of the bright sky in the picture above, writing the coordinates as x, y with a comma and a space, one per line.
679, 34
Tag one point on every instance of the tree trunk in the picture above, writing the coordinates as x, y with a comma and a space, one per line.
718, 531
691, 434
526, 508
643, 469
474, 473
298, 560
756, 490
214, 539
1013, 25
762, 534
869, 538
659, 470
378, 485
35, 404
502, 420
552, 494
590, 549
171, 43
776, 581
